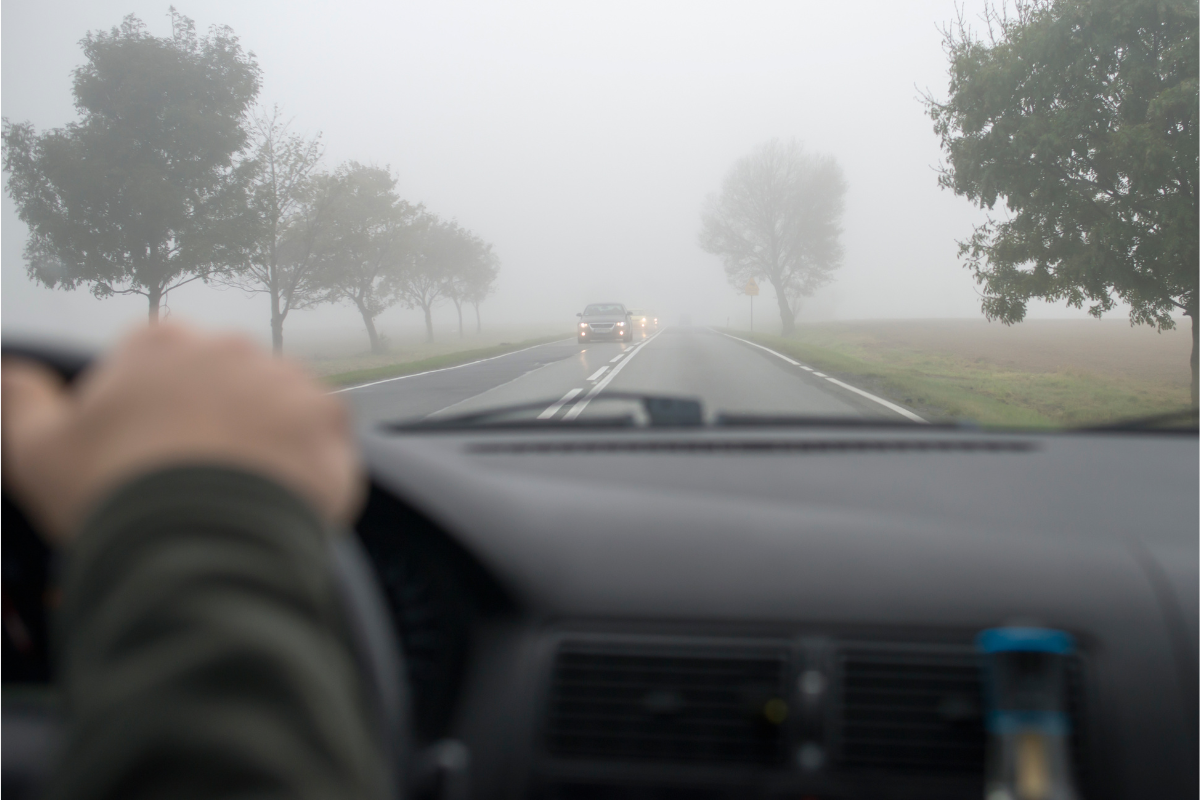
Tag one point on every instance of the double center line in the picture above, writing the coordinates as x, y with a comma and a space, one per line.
579, 405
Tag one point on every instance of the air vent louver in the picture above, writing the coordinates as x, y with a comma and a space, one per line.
920, 712
681, 706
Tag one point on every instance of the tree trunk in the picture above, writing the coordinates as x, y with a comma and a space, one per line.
428, 322
1195, 387
478, 324
458, 307
372, 334
155, 294
787, 319
276, 327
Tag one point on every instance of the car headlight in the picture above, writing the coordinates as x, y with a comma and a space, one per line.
620, 324
583, 324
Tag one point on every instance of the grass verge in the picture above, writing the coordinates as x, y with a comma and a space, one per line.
942, 385
398, 369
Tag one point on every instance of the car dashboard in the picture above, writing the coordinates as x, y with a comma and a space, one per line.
782, 612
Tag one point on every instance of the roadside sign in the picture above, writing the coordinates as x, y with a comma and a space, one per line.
751, 288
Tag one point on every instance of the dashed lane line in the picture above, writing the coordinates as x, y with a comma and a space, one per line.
904, 412
598, 373
553, 409
577, 409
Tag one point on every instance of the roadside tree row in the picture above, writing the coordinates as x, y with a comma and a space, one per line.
174, 175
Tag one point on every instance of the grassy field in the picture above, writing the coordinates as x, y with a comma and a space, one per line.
354, 370
1037, 373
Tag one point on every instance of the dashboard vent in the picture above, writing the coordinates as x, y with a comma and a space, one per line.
921, 712
754, 446
682, 706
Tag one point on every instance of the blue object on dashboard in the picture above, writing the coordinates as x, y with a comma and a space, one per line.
1025, 640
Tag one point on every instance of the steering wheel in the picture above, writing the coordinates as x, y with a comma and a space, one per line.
29, 567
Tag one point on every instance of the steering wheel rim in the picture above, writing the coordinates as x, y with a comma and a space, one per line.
370, 622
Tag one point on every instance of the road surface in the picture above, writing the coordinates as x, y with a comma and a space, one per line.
728, 374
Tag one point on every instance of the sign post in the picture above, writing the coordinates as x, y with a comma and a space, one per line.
751, 289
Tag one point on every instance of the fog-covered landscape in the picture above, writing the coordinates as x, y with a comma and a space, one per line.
575, 154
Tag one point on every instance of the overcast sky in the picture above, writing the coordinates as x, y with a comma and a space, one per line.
580, 138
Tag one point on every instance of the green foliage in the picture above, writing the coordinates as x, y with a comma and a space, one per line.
1079, 117
456, 264
142, 194
282, 219
367, 234
778, 218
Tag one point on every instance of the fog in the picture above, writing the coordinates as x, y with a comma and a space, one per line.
580, 141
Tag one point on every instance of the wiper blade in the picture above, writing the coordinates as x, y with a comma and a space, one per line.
1185, 420
659, 411
804, 421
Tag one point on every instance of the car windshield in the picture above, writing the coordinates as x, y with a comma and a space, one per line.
599, 309
433, 191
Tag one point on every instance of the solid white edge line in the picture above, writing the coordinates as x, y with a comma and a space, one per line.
445, 369
553, 409
598, 373
579, 406
904, 412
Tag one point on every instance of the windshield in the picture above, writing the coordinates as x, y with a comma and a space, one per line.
598, 309
417, 200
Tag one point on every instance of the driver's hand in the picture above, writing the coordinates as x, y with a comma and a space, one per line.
170, 396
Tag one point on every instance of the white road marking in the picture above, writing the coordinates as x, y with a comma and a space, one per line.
904, 412
616, 358
553, 409
597, 373
806, 369
444, 369
577, 409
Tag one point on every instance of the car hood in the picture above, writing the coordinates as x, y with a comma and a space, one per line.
603, 317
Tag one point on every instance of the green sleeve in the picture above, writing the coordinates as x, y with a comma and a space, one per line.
202, 651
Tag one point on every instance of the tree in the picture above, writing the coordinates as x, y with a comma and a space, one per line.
286, 205
424, 275
778, 217
483, 283
470, 268
365, 238
139, 196
1080, 117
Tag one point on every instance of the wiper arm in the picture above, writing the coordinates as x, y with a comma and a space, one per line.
1185, 420
803, 421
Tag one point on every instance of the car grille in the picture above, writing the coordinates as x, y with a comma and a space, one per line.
680, 705
599, 327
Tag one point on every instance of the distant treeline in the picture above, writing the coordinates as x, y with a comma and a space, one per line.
173, 174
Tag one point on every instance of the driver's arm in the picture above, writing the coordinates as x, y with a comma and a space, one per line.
192, 482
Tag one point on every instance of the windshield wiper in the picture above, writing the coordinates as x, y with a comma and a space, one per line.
807, 421
1185, 420
658, 411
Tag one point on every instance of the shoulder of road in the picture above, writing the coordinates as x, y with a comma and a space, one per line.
360, 377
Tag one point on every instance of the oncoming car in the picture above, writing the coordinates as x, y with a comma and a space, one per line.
643, 320
600, 321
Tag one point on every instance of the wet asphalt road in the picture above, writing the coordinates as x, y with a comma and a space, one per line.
728, 374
